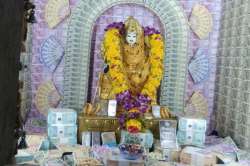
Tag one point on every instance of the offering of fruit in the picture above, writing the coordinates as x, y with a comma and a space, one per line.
165, 113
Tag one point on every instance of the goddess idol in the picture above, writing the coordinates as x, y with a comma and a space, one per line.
134, 56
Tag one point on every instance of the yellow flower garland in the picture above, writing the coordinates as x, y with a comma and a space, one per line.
112, 54
156, 61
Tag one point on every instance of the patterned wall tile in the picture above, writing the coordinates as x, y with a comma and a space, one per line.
234, 73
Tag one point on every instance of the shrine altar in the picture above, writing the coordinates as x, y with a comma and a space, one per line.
106, 124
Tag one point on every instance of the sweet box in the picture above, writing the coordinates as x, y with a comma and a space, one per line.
61, 116
191, 131
95, 138
198, 125
197, 157
64, 140
146, 138
108, 138
168, 134
62, 130
86, 138
171, 155
191, 138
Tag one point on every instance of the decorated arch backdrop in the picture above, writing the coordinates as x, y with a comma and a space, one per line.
69, 79
78, 49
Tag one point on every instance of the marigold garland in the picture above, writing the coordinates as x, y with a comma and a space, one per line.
135, 107
133, 126
112, 52
156, 53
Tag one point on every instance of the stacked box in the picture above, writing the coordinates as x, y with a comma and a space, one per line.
191, 131
62, 128
197, 157
95, 138
146, 138
168, 134
61, 116
86, 138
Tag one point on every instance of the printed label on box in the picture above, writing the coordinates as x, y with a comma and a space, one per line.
168, 133
59, 117
60, 131
112, 108
156, 110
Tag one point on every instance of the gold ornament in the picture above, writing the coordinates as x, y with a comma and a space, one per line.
91, 110
88, 109
105, 87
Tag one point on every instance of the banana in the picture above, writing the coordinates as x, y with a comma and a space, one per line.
165, 113
88, 109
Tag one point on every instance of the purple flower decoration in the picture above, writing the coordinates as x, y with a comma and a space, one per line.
122, 120
125, 99
117, 25
143, 108
144, 103
133, 115
128, 105
123, 96
128, 102
137, 103
143, 99
149, 31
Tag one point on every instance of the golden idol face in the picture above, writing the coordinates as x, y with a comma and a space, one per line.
131, 38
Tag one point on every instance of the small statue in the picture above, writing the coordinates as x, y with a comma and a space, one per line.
105, 90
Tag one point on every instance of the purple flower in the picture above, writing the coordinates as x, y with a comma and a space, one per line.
143, 108
123, 96
125, 99
118, 25
137, 103
128, 105
144, 103
149, 31
122, 120
133, 115
143, 99
128, 102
